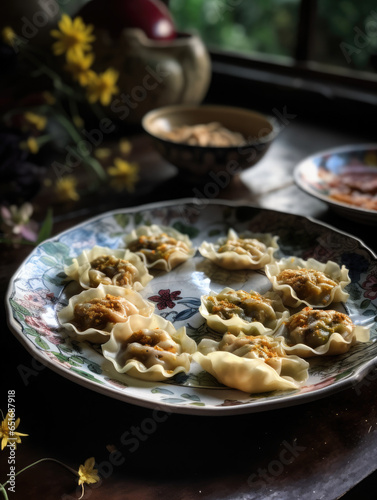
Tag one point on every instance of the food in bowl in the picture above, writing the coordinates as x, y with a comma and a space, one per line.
197, 162
205, 134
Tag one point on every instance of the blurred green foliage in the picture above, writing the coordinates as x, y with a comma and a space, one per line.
345, 30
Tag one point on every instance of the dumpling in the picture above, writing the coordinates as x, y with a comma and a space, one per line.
308, 282
237, 310
160, 247
251, 364
313, 332
247, 251
107, 266
149, 348
91, 314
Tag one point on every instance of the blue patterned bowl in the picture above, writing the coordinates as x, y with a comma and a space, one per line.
199, 163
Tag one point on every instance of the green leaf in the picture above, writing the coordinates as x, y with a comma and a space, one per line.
365, 303
18, 308
138, 218
122, 219
41, 343
65, 348
87, 375
61, 357
19, 317
191, 231
193, 397
55, 248
48, 261
31, 331
161, 390
76, 359
46, 227
93, 367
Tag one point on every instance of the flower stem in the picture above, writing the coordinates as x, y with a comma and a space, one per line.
48, 459
89, 161
4, 491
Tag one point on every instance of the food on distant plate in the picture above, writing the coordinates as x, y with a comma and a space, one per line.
91, 314
355, 185
252, 364
312, 332
107, 266
308, 282
206, 134
246, 251
237, 310
149, 348
160, 247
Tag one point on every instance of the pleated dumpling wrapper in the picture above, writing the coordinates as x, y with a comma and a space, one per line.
308, 282
237, 311
321, 332
252, 364
149, 348
160, 246
246, 251
108, 266
93, 313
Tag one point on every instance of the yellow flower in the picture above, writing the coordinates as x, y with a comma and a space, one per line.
73, 36
78, 121
78, 65
87, 474
7, 431
124, 174
31, 144
37, 120
102, 86
125, 146
102, 153
66, 189
8, 35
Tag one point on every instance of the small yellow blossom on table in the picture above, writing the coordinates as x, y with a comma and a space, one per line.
124, 174
8, 435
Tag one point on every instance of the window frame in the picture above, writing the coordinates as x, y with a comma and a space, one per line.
299, 74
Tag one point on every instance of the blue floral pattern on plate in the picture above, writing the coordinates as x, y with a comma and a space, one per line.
39, 289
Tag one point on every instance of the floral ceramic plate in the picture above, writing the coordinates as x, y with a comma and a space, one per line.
38, 290
345, 178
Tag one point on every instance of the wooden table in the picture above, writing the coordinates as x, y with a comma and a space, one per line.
318, 450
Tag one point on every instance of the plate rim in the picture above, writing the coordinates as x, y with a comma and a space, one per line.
244, 408
370, 214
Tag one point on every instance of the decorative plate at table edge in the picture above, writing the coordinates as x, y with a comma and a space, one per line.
307, 177
39, 288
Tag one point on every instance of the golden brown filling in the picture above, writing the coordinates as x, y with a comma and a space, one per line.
112, 271
314, 327
150, 347
248, 346
243, 246
248, 306
157, 247
310, 285
98, 313
153, 338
